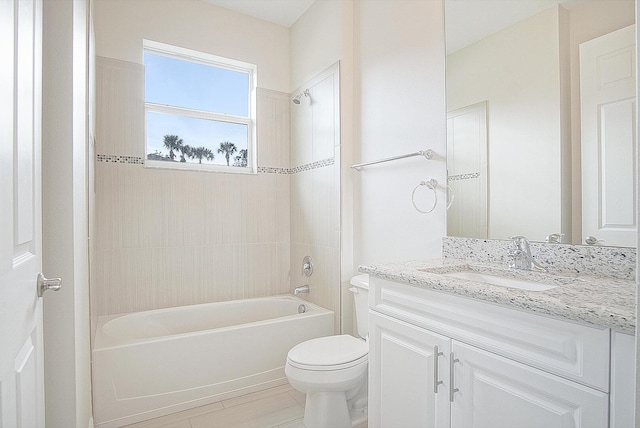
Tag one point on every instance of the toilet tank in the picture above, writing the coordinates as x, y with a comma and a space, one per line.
360, 292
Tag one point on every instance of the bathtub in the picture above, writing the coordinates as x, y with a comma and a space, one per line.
149, 364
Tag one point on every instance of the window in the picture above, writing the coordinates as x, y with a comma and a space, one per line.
199, 110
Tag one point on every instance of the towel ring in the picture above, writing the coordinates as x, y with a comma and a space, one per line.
431, 184
450, 196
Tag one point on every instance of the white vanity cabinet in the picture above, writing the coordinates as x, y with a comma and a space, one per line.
438, 360
406, 364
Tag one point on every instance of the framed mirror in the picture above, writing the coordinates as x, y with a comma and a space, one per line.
517, 74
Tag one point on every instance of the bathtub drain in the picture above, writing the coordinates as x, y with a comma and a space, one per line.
302, 309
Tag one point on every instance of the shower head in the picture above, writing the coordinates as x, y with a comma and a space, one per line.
297, 99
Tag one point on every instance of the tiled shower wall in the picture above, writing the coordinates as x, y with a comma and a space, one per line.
167, 238
315, 209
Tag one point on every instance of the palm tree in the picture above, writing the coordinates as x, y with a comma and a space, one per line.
201, 152
172, 142
241, 159
185, 150
228, 148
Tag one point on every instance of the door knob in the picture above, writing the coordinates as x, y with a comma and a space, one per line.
592, 240
43, 284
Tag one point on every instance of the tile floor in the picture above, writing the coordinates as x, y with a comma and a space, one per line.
279, 407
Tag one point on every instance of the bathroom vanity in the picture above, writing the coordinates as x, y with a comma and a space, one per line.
452, 346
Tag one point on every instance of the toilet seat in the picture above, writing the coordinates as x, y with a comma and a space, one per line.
329, 353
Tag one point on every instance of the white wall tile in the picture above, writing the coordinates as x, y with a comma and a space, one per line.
301, 133
260, 221
168, 238
302, 204
323, 118
315, 215
267, 141
283, 208
229, 209
282, 126
264, 272
222, 280
273, 128
321, 185
120, 100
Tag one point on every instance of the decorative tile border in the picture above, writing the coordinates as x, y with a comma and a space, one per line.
463, 176
272, 170
306, 167
313, 165
137, 160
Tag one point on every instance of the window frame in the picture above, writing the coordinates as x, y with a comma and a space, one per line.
249, 121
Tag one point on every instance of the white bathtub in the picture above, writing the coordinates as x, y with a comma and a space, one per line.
149, 364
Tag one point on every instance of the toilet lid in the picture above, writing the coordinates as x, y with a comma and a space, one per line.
330, 351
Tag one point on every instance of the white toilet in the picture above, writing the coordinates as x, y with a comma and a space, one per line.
332, 370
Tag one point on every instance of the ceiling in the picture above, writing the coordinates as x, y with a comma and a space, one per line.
281, 12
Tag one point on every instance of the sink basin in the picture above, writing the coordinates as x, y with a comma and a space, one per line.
501, 281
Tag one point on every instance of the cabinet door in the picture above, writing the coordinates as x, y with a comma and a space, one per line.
497, 392
406, 364
623, 377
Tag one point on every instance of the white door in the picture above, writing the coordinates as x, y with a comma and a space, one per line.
608, 106
500, 393
408, 375
21, 355
467, 171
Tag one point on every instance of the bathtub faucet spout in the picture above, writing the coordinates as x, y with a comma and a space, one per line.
301, 289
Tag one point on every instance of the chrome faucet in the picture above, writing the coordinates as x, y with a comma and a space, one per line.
521, 258
301, 289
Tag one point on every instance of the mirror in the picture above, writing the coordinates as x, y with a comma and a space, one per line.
514, 146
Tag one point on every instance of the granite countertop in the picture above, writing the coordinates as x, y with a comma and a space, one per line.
596, 300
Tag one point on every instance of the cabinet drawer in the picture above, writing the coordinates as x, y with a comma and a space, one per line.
571, 350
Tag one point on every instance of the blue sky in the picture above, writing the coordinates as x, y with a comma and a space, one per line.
188, 84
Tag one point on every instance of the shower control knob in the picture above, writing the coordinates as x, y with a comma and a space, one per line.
307, 266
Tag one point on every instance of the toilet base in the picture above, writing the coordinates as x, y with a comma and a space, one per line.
344, 412
317, 416
358, 411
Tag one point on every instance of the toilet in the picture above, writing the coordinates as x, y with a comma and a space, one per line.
332, 370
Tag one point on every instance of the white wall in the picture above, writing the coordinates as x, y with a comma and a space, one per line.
399, 100
65, 222
316, 40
